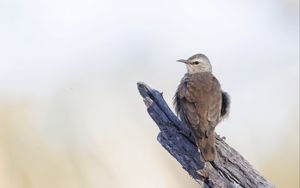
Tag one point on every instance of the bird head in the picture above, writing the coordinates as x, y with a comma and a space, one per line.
197, 63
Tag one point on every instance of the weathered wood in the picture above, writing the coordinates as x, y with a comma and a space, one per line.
229, 169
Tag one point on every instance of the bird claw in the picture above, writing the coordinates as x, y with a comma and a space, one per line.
203, 173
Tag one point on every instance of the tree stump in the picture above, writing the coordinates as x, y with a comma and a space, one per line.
229, 169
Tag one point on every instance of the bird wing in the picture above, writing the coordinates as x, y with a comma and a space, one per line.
197, 102
191, 102
215, 102
184, 105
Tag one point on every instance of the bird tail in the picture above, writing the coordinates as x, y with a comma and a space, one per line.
207, 146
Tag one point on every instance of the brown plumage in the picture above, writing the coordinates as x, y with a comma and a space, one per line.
201, 104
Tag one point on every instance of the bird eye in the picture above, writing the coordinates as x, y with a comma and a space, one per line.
195, 62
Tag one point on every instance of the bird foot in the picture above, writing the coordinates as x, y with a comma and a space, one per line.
203, 173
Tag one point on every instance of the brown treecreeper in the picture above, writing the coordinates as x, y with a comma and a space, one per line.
201, 104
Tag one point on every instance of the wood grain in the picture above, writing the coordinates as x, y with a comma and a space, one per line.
229, 169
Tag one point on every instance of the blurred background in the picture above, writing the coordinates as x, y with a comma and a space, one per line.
70, 113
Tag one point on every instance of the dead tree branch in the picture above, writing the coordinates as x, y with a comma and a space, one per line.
229, 169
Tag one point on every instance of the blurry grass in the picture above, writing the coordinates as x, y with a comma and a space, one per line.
28, 161
283, 167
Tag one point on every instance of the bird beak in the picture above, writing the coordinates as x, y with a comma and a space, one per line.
182, 61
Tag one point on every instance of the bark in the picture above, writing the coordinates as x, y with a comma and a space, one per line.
229, 169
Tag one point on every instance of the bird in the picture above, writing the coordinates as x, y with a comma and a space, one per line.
201, 104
